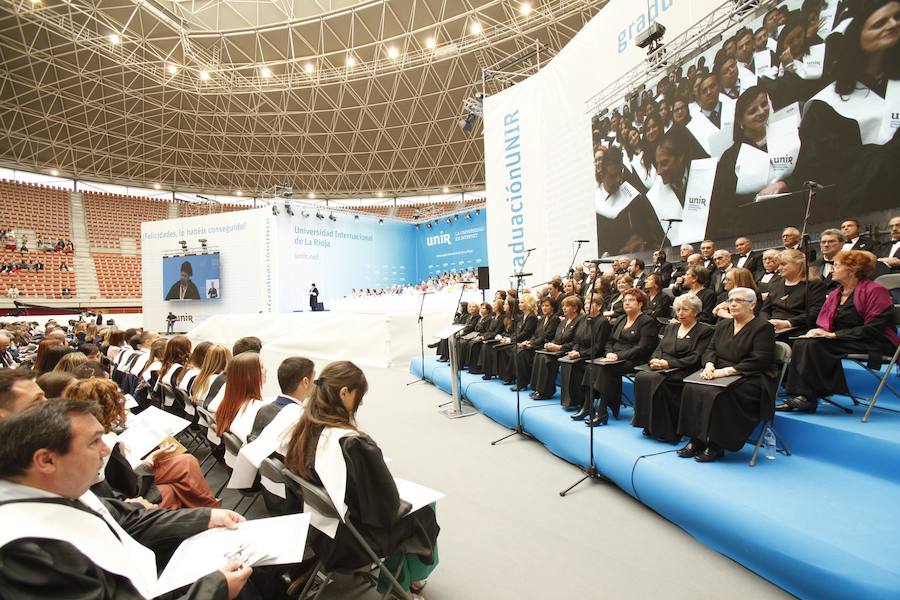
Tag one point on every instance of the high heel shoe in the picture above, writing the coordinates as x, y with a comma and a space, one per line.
581, 415
598, 420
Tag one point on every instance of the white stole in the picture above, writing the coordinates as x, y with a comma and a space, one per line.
331, 467
666, 205
271, 439
610, 205
878, 118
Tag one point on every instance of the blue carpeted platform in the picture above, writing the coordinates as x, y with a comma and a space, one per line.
822, 523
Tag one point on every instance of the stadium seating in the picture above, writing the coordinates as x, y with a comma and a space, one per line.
194, 209
111, 217
42, 209
118, 276
47, 283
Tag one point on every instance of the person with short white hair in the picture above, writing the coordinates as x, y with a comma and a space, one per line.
722, 418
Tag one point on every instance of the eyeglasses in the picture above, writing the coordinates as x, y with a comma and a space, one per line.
739, 300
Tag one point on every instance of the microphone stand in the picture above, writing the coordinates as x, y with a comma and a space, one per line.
519, 277
574, 256
591, 472
666, 234
804, 239
421, 339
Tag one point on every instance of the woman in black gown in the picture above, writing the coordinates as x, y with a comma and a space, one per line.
545, 365
504, 354
658, 385
856, 318
590, 342
696, 278
794, 301
543, 334
464, 348
468, 316
659, 304
522, 322
613, 304
501, 325
848, 132
721, 418
373, 503
634, 337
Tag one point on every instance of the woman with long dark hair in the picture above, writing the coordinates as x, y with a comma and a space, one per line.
478, 333
46, 357
192, 368
496, 328
328, 449
498, 359
849, 131
543, 334
243, 396
799, 65
178, 352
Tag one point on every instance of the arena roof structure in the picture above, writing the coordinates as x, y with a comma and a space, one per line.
334, 98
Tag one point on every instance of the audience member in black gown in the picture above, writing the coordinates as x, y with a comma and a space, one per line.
614, 308
634, 337
721, 418
545, 365
590, 342
543, 334
502, 361
794, 301
500, 327
658, 385
464, 347
513, 324
695, 280
856, 318
659, 304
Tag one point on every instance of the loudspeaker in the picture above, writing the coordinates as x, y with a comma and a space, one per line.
484, 278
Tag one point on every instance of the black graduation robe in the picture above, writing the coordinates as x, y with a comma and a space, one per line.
543, 334
591, 336
657, 394
191, 292
545, 366
788, 302
659, 307
476, 351
502, 354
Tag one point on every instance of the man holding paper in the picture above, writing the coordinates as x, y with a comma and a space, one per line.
60, 541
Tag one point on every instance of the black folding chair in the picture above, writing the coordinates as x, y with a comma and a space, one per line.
783, 358
317, 498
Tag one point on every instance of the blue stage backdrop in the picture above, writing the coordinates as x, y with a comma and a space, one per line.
205, 278
460, 245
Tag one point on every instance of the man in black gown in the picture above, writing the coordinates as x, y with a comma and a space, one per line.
50, 454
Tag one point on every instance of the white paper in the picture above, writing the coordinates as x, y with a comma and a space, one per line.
130, 402
417, 495
449, 330
146, 430
282, 539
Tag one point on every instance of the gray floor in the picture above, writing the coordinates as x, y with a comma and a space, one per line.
505, 531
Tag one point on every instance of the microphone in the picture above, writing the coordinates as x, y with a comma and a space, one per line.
521, 274
673, 220
813, 184
583, 241
531, 250
467, 282
602, 261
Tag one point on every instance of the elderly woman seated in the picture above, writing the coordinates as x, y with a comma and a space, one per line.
856, 318
632, 341
658, 385
718, 418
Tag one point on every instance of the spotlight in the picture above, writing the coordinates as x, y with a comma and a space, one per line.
381, 221
448, 221
275, 210
392, 52
172, 69
288, 209
356, 217
114, 38
309, 68
54, 172
155, 186
475, 28
468, 216
183, 244
202, 243
525, 8
265, 72
467, 122
303, 213
331, 217
428, 225
319, 215
446, 190
430, 42
239, 193
350, 60
204, 75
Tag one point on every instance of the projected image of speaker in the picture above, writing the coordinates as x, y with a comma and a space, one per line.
192, 277
484, 278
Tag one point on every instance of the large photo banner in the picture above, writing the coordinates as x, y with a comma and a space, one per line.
460, 245
737, 140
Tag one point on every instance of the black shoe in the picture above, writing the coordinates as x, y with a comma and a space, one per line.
442, 359
506, 381
598, 420
711, 454
434, 345
646, 433
581, 415
533, 395
487, 377
537, 396
692, 448
516, 388
798, 404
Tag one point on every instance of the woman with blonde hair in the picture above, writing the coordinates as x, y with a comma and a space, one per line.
70, 362
216, 361
327, 449
735, 278
163, 478
794, 301
192, 368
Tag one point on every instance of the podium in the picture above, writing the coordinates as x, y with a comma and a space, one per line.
457, 408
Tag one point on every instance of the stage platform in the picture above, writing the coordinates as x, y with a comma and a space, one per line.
821, 523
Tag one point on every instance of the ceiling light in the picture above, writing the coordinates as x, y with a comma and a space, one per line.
350, 61
393, 52
309, 67
204, 75
475, 27
310, 195
114, 38
155, 186
54, 172
265, 72
35, 1
525, 8
430, 43
381, 194
446, 190
172, 69
239, 193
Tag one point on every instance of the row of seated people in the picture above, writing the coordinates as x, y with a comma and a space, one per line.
88, 408
732, 335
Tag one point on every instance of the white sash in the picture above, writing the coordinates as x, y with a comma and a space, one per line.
666, 205
877, 117
331, 467
751, 169
646, 177
86, 532
609, 206
763, 63
696, 201
270, 439
746, 77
